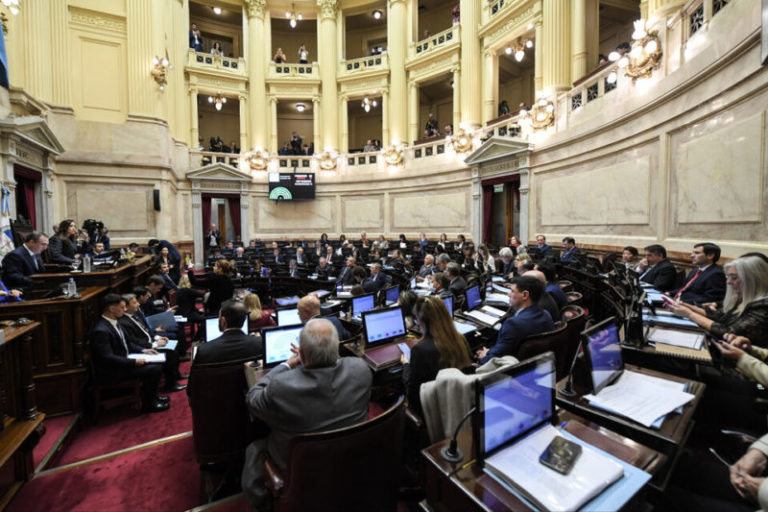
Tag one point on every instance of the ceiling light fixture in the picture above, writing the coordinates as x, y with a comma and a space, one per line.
300, 107
217, 11
377, 14
518, 48
368, 104
12, 5
293, 18
218, 100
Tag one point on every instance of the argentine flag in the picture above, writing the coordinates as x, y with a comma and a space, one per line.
6, 237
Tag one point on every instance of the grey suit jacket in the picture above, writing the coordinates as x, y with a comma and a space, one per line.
302, 400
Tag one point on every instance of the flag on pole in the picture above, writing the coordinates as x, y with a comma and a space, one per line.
6, 237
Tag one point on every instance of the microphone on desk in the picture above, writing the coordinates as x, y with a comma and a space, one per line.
567, 389
452, 453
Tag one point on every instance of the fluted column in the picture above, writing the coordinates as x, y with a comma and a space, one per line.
243, 102
328, 58
317, 115
60, 60
385, 118
470, 62
37, 41
538, 61
490, 85
457, 96
273, 146
194, 130
257, 69
397, 47
578, 39
413, 113
141, 86
344, 124
557, 39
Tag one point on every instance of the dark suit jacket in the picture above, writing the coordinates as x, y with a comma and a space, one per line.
544, 249
531, 320
457, 286
346, 277
108, 351
662, 276
62, 251
134, 333
220, 286
548, 304
558, 294
423, 367
426, 270
375, 283
216, 234
328, 270
232, 345
17, 265
340, 329
708, 287
567, 256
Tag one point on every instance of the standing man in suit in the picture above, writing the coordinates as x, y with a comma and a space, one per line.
313, 391
376, 281
309, 308
213, 237
346, 276
24, 261
541, 244
529, 319
569, 250
656, 269
458, 284
195, 41
706, 283
110, 349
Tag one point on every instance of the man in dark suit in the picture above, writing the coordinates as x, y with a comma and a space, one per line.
110, 349
569, 250
136, 332
323, 268
293, 269
195, 39
302, 259
529, 319
309, 308
24, 261
547, 301
376, 281
156, 245
552, 288
428, 268
706, 283
508, 258
656, 269
458, 284
541, 245
345, 276
213, 237
314, 391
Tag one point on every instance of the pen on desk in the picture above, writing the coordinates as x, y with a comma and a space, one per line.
563, 424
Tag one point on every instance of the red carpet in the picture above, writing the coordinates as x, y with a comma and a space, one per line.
53, 429
164, 477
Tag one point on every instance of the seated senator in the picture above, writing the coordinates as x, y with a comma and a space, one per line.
309, 309
233, 344
313, 391
457, 283
656, 269
64, 247
376, 281
257, 317
706, 283
529, 319
24, 261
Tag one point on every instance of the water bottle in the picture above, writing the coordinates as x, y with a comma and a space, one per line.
71, 287
87, 263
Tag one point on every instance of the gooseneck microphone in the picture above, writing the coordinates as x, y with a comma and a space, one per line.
567, 389
451, 453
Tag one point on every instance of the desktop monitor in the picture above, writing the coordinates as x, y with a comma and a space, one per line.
391, 295
601, 343
362, 304
212, 328
277, 343
473, 297
288, 317
512, 402
448, 301
383, 325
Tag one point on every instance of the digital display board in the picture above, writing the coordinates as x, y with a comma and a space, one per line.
286, 186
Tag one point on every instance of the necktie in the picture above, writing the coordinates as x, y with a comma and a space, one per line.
688, 284
149, 336
122, 338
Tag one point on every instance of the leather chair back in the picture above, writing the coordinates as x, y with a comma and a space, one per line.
221, 426
555, 341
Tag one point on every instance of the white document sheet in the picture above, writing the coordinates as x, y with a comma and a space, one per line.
493, 311
150, 358
497, 297
683, 339
482, 317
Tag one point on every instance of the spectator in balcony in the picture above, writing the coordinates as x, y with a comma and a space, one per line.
602, 59
195, 39
448, 130
285, 150
311, 150
216, 49
456, 12
624, 48
224, 148
305, 150
233, 147
280, 56
295, 143
368, 146
303, 54
427, 34
432, 129
503, 108
376, 145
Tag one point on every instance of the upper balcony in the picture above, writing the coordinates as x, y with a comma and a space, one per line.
198, 61
292, 72
371, 65
445, 40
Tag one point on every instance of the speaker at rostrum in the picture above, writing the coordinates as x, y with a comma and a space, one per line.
156, 199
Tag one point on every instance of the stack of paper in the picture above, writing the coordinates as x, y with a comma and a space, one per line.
497, 297
483, 317
682, 339
169, 345
150, 358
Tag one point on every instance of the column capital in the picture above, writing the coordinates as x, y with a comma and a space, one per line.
273, 99
344, 97
393, 2
255, 8
328, 8
455, 69
242, 97
192, 90
315, 99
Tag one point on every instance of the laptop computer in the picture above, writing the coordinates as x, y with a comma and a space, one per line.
212, 328
382, 326
361, 304
603, 353
288, 316
462, 327
419, 290
391, 295
277, 343
476, 311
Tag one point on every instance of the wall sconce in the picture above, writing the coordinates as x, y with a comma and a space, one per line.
257, 159
645, 55
160, 71
540, 116
394, 154
328, 159
218, 101
461, 141
518, 48
368, 104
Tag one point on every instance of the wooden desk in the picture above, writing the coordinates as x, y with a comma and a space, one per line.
22, 424
118, 280
451, 486
57, 346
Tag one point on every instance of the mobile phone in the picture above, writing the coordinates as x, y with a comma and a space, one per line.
405, 349
561, 455
668, 300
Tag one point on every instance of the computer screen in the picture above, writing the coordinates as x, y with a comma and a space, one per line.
448, 301
511, 404
288, 317
362, 303
212, 328
383, 325
392, 295
277, 343
473, 297
604, 354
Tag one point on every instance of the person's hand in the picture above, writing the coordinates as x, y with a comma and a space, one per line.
741, 342
150, 351
744, 471
159, 328
16, 293
403, 359
678, 309
4, 293
748, 486
295, 359
642, 264
162, 342
729, 351
709, 305
140, 362
481, 353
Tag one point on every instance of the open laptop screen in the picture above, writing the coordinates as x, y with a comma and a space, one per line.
392, 295
604, 351
277, 343
212, 328
448, 301
383, 325
473, 297
362, 303
288, 317
512, 402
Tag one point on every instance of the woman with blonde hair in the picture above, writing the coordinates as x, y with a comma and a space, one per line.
257, 317
441, 346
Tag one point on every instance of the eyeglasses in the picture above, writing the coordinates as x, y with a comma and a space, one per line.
731, 277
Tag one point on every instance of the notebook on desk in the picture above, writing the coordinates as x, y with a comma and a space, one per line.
513, 426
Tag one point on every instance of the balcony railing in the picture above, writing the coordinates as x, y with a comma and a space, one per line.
697, 14
202, 158
439, 40
505, 126
595, 85
286, 70
372, 62
361, 159
206, 60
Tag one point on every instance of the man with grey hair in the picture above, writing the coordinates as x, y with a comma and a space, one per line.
458, 284
376, 281
313, 391
508, 257
428, 267
442, 261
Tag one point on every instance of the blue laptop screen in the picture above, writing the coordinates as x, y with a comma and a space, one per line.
448, 301
515, 405
361, 304
392, 294
473, 297
277, 344
384, 325
605, 353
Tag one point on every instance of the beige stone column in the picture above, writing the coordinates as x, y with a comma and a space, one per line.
457, 96
141, 87
490, 85
273, 143
36, 39
578, 39
397, 44
538, 61
470, 62
344, 124
317, 115
243, 102
256, 60
385, 118
655, 7
556, 46
592, 31
413, 113
194, 130
328, 58
60, 60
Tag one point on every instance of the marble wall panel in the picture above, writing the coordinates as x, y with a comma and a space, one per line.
126, 210
361, 214
444, 210
300, 216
